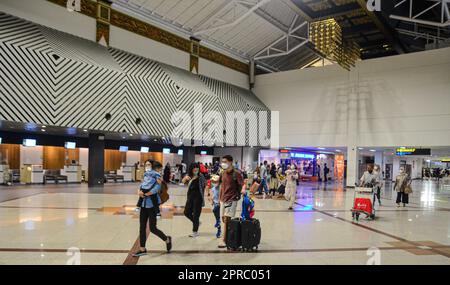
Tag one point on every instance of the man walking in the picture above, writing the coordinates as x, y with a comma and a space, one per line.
230, 193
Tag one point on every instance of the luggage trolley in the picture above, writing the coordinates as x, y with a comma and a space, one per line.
363, 202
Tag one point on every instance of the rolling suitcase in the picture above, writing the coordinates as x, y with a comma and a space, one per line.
233, 240
250, 234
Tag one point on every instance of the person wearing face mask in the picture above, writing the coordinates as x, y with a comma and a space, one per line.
291, 185
402, 186
149, 193
231, 181
195, 197
379, 182
369, 178
213, 195
146, 181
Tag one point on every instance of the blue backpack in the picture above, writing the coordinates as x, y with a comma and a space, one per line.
248, 208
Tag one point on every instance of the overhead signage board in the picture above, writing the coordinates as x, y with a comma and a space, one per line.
413, 151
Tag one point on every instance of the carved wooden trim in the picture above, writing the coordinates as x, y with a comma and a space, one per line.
224, 60
139, 27
126, 22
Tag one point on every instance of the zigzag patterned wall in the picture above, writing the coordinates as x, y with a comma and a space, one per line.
52, 78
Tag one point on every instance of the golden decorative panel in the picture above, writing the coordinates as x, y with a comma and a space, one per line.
103, 12
326, 35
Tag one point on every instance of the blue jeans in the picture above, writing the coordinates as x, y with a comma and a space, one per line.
216, 211
263, 185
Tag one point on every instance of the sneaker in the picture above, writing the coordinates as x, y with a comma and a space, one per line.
217, 224
290, 208
222, 245
137, 209
140, 253
398, 205
169, 243
194, 235
158, 216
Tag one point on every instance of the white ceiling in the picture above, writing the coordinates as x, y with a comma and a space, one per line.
255, 29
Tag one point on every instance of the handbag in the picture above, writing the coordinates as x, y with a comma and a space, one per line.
408, 189
164, 194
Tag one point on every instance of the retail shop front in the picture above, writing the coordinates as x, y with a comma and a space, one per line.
312, 165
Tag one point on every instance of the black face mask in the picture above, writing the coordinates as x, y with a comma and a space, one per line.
370, 171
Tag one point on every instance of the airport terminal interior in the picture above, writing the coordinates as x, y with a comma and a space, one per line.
270, 132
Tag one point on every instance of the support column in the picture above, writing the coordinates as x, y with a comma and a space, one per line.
251, 75
189, 155
96, 160
379, 158
352, 166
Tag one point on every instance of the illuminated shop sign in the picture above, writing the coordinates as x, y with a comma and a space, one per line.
302, 155
447, 160
413, 151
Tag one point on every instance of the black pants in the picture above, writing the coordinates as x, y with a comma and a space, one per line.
149, 215
402, 198
193, 210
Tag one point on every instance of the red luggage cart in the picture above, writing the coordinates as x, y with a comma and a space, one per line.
363, 203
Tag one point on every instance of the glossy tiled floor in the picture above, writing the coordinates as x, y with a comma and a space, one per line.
38, 224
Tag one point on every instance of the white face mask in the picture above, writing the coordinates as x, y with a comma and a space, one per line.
148, 168
224, 166
402, 170
292, 167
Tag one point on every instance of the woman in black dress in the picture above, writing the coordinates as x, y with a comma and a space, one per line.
195, 197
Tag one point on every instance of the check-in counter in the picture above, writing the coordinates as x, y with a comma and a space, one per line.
128, 173
31, 174
73, 173
4, 173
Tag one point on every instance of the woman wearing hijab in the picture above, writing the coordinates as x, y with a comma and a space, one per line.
403, 187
